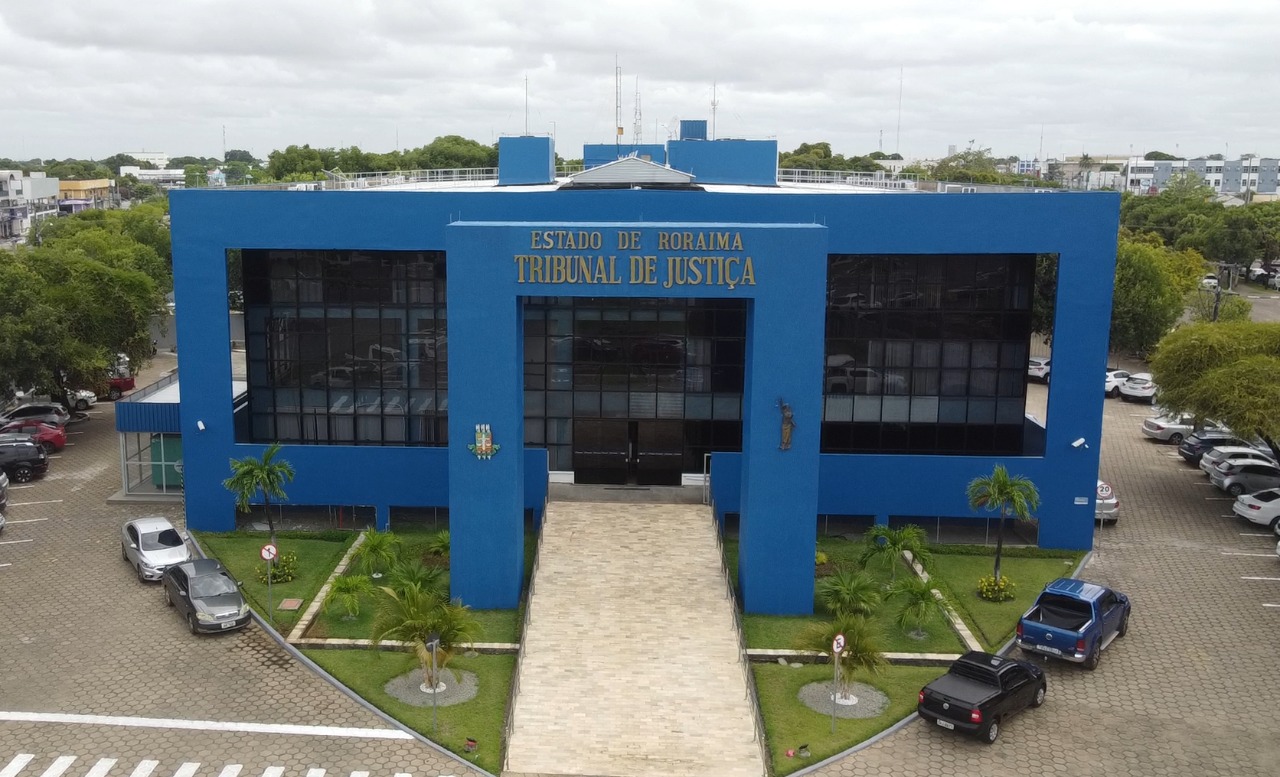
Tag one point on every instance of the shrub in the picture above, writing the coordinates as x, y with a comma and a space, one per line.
345, 591
994, 590
283, 570
849, 592
377, 552
412, 572
819, 559
438, 545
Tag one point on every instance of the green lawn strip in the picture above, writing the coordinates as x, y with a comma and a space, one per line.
789, 723
367, 671
238, 552
993, 623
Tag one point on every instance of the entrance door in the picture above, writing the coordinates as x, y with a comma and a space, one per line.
601, 451
658, 452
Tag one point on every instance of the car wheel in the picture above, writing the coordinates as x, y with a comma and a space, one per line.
141, 578
123, 556
1235, 489
991, 733
168, 598
82, 405
1124, 626
22, 474
48, 448
1175, 438
113, 394
1275, 524
1113, 393
1038, 699
191, 623
1095, 658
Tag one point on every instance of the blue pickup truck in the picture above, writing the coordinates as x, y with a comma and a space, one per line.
1075, 621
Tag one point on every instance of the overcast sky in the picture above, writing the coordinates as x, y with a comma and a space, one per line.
89, 79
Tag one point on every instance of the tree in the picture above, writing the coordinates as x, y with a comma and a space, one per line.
195, 176
1229, 372
862, 650
240, 155
849, 592
266, 475
1086, 165
919, 606
1148, 297
377, 551
883, 542
418, 618
1160, 156
1009, 494
1044, 296
1206, 307
346, 591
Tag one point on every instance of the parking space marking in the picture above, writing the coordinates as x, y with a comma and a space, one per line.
273, 771
205, 725
75, 432
145, 768
188, 769
2, 566
1273, 579
101, 768
1242, 534
34, 520
315, 773
1254, 555
1219, 498
230, 770
59, 766
14, 542
1271, 605
16, 765
45, 502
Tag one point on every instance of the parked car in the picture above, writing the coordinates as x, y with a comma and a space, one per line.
1075, 621
46, 412
979, 692
1246, 478
118, 384
1209, 282
1115, 376
4, 496
1107, 506
1174, 428
205, 595
1236, 454
23, 460
1139, 387
1038, 368
81, 399
848, 379
1262, 508
1205, 440
151, 545
51, 438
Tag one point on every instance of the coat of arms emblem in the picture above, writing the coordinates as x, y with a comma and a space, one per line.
484, 447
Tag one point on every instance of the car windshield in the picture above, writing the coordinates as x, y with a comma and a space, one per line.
207, 586
160, 540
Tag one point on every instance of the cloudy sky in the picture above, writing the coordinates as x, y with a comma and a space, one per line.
89, 79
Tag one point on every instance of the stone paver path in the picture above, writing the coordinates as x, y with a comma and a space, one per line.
630, 662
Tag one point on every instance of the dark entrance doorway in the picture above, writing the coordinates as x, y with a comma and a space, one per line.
628, 452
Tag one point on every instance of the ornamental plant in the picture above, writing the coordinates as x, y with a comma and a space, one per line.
994, 589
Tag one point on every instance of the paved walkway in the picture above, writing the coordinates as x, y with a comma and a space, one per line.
630, 662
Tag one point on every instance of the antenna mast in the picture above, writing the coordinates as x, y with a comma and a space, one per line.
897, 140
638, 131
224, 143
617, 104
526, 105
714, 104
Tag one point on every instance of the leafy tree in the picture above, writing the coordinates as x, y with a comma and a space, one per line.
1206, 307
377, 551
862, 646
418, 617
195, 176
918, 604
1226, 371
1044, 296
884, 542
115, 161
849, 592
412, 572
183, 161
240, 155
266, 475
346, 591
1009, 494
1160, 156
1148, 299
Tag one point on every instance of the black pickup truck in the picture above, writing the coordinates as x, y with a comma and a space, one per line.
979, 691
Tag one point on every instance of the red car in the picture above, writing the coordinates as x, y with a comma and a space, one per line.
51, 438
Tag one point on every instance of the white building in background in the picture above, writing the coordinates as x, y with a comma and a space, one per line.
24, 199
1254, 174
165, 179
157, 158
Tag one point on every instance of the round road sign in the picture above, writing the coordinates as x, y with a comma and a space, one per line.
268, 552
837, 644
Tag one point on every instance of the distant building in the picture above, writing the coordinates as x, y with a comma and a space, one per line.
24, 199
1255, 174
165, 179
75, 196
157, 158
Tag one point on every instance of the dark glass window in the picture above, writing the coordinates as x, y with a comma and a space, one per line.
926, 354
346, 347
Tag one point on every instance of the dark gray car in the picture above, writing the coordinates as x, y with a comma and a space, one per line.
205, 595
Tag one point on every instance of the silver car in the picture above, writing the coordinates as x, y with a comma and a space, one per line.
1246, 478
1107, 506
1236, 454
151, 545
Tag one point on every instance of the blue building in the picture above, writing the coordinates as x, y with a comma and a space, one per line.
825, 351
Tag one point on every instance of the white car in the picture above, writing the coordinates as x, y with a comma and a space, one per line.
1235, 454
1139, 387
1115, 377
151, 545
1262, 508
1209, 282
1108, 504
1038, 368
81, 399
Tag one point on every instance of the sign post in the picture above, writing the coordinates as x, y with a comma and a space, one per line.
837, 647
268, 553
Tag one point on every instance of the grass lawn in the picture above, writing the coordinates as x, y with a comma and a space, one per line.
789, 723
956, 569
482, 718
498, 625
238, 552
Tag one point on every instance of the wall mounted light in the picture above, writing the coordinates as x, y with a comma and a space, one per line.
1080, 443
200, 425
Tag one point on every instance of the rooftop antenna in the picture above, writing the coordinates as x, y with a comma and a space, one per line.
639, 123
897, 141
714, 104
224, 143
880, 145
526, 105
617, 105
1041, 152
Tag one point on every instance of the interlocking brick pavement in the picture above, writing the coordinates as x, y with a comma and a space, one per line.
80, 634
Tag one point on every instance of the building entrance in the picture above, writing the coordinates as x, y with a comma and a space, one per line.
623, 452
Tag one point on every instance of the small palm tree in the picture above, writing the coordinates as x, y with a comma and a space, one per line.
438, 545
881, 541
918, 605
347, 591
849, 592
1009, 494
420, 617
251, 476
862, 648
377, 552
412, 572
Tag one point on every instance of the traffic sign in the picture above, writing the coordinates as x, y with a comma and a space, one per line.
268, 552
837, 645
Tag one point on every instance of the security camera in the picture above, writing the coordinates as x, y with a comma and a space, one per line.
200, 426
1079, 443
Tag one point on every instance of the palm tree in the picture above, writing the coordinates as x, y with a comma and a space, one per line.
412, 572
862, 649
883, 541
849, 592
920, 606
346, 591
1085, 165
378, 550
1011, 495
420, 617
251, 476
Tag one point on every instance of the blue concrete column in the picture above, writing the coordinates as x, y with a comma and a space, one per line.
486, 492
382, 517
